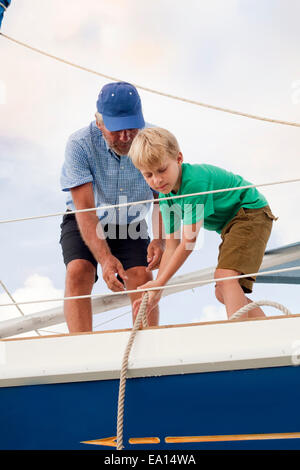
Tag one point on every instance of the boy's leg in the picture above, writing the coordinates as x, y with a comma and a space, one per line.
244, 241
231, 294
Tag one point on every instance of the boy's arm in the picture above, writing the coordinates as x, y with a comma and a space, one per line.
172, 242
157, 245
157, 222
175, 254
175, 258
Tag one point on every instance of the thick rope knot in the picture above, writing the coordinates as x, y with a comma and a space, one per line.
259, 303
141, 317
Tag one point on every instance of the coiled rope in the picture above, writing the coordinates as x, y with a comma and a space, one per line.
167, 95
259, 303
141, 317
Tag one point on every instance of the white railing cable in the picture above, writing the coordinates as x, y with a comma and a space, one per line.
171, 286
146, 201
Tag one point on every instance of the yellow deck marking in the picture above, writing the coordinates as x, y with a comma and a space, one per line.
144, 440
106, 441
111, 441
233, 437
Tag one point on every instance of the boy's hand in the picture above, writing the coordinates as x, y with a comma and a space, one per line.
153, 300
154, 254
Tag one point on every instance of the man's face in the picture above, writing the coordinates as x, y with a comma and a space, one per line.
118, 141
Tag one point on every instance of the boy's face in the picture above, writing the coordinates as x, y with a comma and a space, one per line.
166, 177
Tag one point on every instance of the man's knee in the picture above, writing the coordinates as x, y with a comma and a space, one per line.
138, 276
80, 274
138, 271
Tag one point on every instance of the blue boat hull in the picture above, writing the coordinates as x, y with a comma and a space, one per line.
62, 415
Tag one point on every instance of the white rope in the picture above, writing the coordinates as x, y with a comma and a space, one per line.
170, 286
256, 304
150, 200
141, 317
4, 6
167, 95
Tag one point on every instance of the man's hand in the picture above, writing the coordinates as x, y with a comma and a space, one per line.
154, 254
110, 267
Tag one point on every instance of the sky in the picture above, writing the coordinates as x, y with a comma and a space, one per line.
238, 54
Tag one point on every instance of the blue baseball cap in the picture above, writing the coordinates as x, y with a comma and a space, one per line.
120, 106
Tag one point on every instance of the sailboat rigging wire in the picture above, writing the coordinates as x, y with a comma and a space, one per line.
112, 319
13, 300
103, 208
170, 286
167, 95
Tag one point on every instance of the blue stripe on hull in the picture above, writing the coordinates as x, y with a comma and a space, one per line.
60, 416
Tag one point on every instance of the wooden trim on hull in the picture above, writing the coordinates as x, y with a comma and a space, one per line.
160, 327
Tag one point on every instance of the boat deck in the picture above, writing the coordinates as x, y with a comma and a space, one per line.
162, 350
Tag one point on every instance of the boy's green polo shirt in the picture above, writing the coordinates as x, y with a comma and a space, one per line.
216, 209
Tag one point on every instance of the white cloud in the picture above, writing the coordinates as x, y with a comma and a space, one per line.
210, 313
35, 288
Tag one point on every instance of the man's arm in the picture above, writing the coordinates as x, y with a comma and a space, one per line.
91, 231
83, 198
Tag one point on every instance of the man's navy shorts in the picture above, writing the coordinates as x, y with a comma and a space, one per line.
129, 251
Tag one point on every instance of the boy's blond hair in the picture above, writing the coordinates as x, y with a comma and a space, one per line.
150, 147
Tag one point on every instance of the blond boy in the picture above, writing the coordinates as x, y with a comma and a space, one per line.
242, 218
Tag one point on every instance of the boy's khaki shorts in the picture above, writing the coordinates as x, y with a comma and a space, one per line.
244, 241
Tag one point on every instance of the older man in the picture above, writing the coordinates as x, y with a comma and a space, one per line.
97, 172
